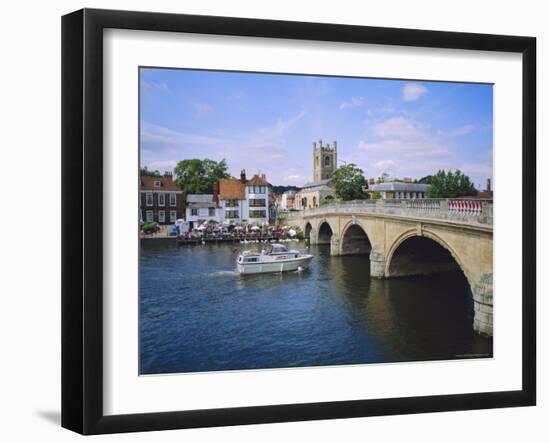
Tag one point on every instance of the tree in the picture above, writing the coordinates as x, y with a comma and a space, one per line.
375, 195
197, 176
426, 180
145, 171
349, 182
450, 185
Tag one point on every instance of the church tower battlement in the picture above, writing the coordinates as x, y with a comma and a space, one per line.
324, 160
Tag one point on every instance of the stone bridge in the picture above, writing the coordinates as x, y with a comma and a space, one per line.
412, 237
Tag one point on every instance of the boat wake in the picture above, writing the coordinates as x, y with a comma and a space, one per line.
223, 273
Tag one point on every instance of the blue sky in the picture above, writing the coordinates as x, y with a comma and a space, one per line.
267, 123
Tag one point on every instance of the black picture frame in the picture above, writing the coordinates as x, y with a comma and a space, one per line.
82, 240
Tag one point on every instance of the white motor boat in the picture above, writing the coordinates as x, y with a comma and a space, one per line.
274, 258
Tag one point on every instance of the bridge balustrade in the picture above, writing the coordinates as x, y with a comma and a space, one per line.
465, 210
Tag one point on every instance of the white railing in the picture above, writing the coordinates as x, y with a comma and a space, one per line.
466, 206
475, 211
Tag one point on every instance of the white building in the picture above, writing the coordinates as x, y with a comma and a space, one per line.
245, 201
202, 207
287, 200
399, 190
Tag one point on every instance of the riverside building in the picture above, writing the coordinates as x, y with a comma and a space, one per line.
161, 200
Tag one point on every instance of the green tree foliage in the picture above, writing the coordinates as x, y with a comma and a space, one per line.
427, 180
197, 176
375, 195
145, 171
450, 184
348, 181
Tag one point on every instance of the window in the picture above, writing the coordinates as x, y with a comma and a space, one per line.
257, 214
172, 216
327, 160
149, 199
194, 211
257, 189
231, 203
157, 184
211, 212
162, 216
162, 199
231, 214
172, 199
257, 202
149, 216
314, 201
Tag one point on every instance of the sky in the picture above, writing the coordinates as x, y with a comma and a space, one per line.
267, 123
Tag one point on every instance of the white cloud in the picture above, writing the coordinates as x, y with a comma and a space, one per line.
463, 130
400, 128
274, 134
383, 164
259, 150
150, 87
201, 108
162, 165
404, 147
154, 138
413, 91
353, 103
294, 179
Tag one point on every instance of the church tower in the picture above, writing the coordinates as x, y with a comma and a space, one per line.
324, 161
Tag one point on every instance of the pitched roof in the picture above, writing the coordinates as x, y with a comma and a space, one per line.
231, 188
199, 198
166, 183
258, 181
325, 182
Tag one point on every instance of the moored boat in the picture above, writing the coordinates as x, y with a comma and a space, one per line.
274, 258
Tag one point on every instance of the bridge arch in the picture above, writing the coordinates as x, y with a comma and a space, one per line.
307, 230
427, 253
324, 232
355, 240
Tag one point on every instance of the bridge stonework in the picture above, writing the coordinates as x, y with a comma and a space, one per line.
378, 229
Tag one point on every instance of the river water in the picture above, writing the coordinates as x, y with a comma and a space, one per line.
197, 315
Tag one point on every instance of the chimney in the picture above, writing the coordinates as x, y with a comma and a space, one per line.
243, 176
488, 185
167, 173
263, 176
215, 193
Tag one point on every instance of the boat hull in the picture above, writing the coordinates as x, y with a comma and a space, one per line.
274, 266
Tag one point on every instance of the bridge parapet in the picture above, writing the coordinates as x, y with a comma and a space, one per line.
471, 211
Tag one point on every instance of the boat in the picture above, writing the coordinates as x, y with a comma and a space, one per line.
274, 258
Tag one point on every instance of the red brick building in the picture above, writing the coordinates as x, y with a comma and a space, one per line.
160, 199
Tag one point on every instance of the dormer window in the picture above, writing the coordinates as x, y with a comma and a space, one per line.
157, 184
